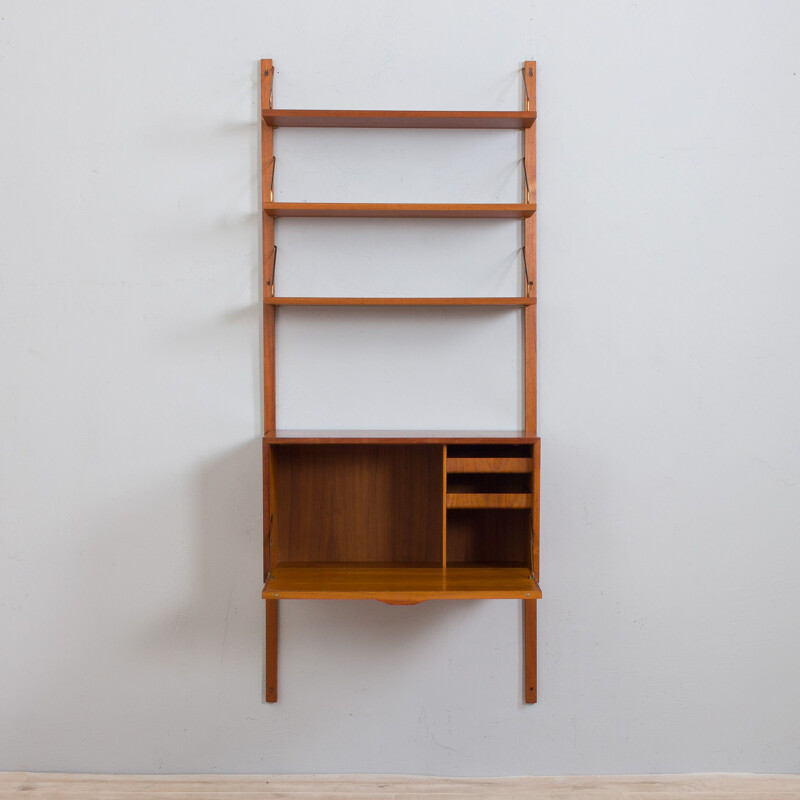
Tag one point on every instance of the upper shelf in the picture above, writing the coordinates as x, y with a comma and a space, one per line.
403, 210
318, 118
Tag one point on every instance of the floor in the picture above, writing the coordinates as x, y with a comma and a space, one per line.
305, 787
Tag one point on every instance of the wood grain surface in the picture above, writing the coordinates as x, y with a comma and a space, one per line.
322, 118
470, 500
363, 502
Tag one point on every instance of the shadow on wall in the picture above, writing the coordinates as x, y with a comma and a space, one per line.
156, 657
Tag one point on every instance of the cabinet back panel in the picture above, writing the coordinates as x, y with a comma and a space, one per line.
488, 536
373, 503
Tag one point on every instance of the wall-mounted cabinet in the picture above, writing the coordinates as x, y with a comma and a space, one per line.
401, 516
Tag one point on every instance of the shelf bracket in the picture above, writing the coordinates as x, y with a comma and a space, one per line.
269, 74
525, 85
528, 282
272, 180
271, 280
527, 182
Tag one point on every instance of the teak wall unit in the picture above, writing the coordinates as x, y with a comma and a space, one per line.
401, 516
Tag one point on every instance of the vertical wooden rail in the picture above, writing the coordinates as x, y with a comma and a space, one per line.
537, 457
529, 610
268, 246
267, 254
529, 77
530, 605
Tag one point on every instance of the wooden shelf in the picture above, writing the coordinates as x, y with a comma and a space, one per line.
399, 583
400, 437
484, 465
319, 118
475, 500
403, 210
513, 302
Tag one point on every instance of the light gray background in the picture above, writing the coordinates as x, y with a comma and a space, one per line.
669, 185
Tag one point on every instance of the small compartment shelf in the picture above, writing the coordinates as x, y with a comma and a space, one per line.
482, 464
489, 476
493, 500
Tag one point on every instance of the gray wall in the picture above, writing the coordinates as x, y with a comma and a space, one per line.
669, 176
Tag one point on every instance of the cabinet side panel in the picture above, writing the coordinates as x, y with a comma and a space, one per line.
266, 496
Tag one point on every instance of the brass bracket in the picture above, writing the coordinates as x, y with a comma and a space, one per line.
271, 279
272, 180
527, 183
528, 281
272, 70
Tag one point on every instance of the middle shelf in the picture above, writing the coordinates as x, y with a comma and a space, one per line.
513, 302
403, 210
